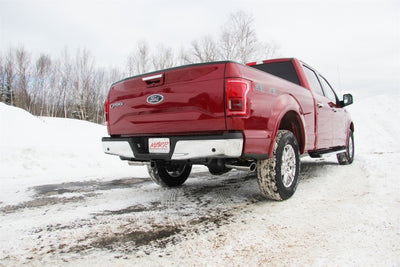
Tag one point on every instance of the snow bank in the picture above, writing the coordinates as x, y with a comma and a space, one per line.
37, 150
376, 123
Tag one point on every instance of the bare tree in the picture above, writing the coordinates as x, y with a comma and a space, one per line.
184, 57
238, 40
41, 83
205, 50
83, 84
113, 75
271, 50
67, 86
9, 72
65, 74
106, 79
228, 45
163, 58
2, 79
22, 59
138, 61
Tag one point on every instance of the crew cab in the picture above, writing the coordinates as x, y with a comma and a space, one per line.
257, 117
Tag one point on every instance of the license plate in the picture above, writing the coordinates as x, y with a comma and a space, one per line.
159, 145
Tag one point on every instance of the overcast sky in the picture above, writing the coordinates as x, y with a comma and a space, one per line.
355, 44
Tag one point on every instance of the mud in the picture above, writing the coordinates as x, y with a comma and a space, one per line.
44, 201
52, 194
86, 186
158, 237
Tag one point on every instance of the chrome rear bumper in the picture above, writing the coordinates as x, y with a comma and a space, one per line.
118, 148
228, 145
191, 149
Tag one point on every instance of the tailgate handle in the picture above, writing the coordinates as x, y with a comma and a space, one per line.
154, 80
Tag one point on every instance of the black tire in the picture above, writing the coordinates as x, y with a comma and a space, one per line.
169, 175
278, 176
348, 156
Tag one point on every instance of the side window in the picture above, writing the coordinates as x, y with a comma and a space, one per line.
313, 81
329, 93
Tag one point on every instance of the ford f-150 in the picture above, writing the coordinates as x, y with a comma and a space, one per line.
258, 117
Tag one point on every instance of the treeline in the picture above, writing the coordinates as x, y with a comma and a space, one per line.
72, 86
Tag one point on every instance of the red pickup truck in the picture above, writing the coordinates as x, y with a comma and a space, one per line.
258, 117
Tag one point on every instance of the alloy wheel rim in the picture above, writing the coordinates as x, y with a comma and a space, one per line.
351, 148
288, 168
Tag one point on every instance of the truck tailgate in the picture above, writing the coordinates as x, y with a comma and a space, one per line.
187, 99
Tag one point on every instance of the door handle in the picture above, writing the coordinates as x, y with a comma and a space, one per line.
320, 105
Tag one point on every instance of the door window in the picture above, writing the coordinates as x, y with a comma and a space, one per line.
329, 93
313, 81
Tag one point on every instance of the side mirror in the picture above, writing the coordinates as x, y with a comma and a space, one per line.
347, 100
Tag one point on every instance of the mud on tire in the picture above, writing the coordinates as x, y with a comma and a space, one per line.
278, 176
169, 175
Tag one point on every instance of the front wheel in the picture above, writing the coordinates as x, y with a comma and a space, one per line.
169, 175
348, 156
278, 176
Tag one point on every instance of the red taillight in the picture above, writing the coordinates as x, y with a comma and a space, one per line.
236, 96
106, 108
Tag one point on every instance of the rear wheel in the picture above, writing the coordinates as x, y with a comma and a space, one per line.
348, 156
278, 176
169, 175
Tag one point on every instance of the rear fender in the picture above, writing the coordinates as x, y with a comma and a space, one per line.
286, 104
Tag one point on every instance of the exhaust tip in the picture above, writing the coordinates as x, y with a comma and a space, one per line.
253, 167
250, 168
138, 163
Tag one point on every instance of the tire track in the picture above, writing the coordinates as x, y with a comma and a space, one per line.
145, 221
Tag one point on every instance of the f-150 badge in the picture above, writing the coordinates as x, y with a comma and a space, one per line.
155, 99
118, 104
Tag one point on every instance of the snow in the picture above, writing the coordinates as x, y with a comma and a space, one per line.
340, 215
377, 125
37, 150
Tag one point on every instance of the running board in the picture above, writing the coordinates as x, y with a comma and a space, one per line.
326, 153
333, 153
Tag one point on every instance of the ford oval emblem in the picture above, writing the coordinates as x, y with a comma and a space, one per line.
155, 99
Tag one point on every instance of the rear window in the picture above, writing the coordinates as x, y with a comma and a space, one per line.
284, 70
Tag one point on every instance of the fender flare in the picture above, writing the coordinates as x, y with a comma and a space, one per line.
282, 106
